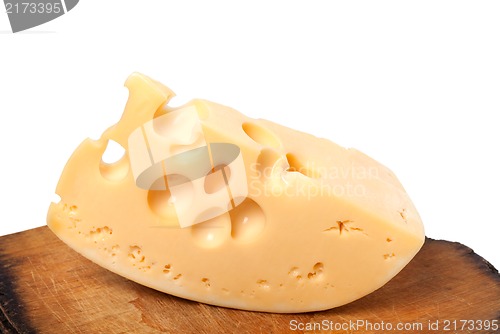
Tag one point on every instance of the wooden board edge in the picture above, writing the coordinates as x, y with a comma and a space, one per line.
481, 262
12, 319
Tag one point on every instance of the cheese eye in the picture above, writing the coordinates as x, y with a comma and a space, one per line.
248, 221
261, 135
114, 165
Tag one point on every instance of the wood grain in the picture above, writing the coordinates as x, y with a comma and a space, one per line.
45, 287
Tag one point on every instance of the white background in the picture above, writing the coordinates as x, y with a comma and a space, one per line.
415, 85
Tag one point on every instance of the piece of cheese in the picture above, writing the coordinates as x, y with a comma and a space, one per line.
300, 223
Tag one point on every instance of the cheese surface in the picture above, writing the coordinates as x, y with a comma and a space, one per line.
210, 205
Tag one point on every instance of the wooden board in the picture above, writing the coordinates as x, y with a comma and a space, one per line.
45, 287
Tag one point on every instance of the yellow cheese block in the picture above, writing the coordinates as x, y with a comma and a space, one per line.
210, 205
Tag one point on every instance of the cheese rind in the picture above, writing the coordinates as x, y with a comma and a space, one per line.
320, 225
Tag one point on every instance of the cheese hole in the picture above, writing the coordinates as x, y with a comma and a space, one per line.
160, 202
169, 206
261, 135
114, 165
205, 282
294, 272
217, 179
113, 153
135, 254
247, 221
115, 249
263, 284
318, 267
167, 268
297, 166
270, 163
317, 271
55, 198
100, 233
213, 232
389, 256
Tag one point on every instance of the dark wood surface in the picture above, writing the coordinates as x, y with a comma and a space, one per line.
45, 287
